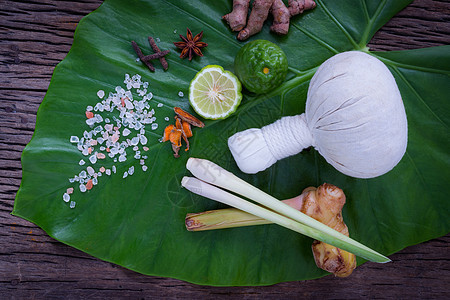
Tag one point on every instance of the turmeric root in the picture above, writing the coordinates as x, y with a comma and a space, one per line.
260, 11
281, 17
238, 17
323, 204
297, 7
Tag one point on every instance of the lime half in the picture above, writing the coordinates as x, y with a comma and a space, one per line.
215, 93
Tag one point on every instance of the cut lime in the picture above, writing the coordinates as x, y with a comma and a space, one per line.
215, 93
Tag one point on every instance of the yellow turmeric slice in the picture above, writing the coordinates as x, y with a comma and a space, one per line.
181, 129
187, 129
175, 137
188, 117
178, 123
167, 132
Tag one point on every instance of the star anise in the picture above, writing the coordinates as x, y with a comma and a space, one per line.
191, 45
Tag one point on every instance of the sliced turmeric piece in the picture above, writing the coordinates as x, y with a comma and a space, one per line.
181, 129
187, 129
185, 116
175, 151
178, 125
167, 132
175, 137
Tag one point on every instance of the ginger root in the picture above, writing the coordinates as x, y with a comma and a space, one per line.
260, 11
325, 204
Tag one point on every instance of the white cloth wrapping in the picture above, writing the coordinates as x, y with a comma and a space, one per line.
354, 117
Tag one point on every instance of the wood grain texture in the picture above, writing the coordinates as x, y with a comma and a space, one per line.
34, 37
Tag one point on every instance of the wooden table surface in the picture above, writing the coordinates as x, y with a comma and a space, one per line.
34, 37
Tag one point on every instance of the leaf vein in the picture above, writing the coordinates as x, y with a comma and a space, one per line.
418, 96
340, 26
316, 38
226, 37
365, 36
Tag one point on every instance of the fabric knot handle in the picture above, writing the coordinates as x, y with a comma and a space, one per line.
287, 136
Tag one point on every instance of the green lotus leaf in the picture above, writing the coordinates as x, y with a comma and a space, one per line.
138, 221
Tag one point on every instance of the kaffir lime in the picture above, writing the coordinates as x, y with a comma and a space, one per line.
261, 66
215, 93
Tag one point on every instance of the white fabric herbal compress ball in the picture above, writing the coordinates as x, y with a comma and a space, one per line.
354, 117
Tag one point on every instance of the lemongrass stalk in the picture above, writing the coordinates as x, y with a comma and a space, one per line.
211, 173
227, 218
212, 192
221, 219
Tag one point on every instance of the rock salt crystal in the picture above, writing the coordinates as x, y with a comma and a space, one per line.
126, 132
101, 94
143, 139
109, 128
93, 159
90, 170
85, 151
90, 121
133, 114
66, 197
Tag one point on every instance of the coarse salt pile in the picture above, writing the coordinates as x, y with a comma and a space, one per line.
117, 124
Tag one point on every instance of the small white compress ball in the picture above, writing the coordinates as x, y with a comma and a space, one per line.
354, 117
